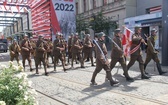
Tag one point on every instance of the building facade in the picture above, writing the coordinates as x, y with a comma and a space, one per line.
116, 10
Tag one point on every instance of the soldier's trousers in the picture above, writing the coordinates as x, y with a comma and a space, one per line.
15, 57
38, 61
150, 56
76, 55
59, 57
120, 60
140, 60
99, 67
28, 57
88, 54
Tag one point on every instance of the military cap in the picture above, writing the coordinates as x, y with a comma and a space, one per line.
76, 34
101, 34
14, 40
72, 34
117, 30
87, 35
25, 35
137, 28
153, 30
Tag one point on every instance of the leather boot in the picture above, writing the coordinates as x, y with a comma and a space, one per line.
143, 75
92, 61
109, 76
145, 69
128, 78
160, 69
45, 69
93, 78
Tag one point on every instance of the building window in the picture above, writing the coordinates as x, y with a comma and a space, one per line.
94, 3
84, 2
76, 7
104, 2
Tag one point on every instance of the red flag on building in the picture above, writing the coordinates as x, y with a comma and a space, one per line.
4, 4
127, 41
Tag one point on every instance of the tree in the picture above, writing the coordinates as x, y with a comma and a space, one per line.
81, 24
100, 23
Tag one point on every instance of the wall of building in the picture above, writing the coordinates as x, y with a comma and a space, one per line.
131, 8
142, 5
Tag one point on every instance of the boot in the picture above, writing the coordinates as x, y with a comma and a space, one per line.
128, 78
93, 78
143, 75
45, 69
37, 69
92, 61
160, 69
145, 68
109, 76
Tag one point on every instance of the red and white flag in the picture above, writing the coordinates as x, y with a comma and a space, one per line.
127, 41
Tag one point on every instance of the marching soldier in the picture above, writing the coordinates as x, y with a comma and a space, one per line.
65, 46
77, 51
87, 49
41, 55
58, 49
49, 51
137, 52
102, 61
26, 51
152, 53
14, 49
117, 54
33, 44
69, 47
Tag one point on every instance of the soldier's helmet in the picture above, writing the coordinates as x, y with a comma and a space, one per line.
137, 28
101, 34
153, 30
118, 30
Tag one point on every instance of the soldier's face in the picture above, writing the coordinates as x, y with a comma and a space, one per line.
103, 38
139, 31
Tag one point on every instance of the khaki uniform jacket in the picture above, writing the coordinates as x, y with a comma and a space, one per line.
40, 49
77, 46
136, 40
151, 43
56, 47
25, 48
14, 48
87, 46
99, 57
117, 52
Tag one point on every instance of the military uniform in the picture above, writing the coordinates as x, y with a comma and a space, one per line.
69, 48
58, 55
102, 63
26, 52
152, 53
77, 52
50, 50
137, 55
117, 55
41, 55
87, 49
14, 49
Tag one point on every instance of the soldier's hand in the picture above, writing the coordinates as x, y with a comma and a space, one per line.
62, 49
26, 49
12, 52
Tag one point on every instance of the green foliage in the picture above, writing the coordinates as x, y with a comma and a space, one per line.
14, 86
81, 24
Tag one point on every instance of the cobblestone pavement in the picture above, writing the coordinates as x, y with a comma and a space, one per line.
73, 87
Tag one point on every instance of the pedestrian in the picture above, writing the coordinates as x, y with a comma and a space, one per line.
152, 53
102, 61
117, 54
41, 54
77, 51
87, 49
26, 49
14, 49
58, 49
137, 52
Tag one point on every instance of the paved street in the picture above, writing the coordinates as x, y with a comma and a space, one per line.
73, 87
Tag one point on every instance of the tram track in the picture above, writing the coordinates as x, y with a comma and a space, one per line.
116, 92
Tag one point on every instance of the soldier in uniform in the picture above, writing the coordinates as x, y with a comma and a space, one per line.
87, 49
41, 54
14, 49
50, 50
152, 53
33, 44
65, 46
69, 47
137, 54
77, 51
101, 62
117, 54
58, 49
26, 51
